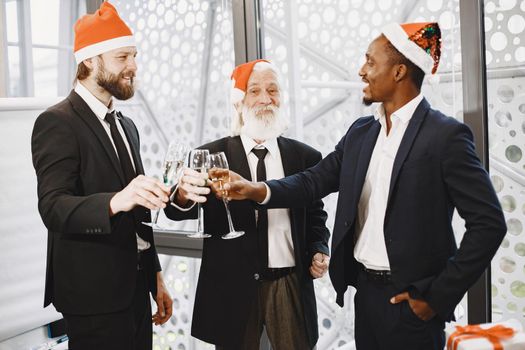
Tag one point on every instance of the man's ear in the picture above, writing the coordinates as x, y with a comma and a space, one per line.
238, 109
238, 106
89, 62
401, 72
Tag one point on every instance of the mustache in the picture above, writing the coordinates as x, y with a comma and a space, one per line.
127, 75
262, 109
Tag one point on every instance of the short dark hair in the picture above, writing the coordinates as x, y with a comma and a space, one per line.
415, 73
82, 72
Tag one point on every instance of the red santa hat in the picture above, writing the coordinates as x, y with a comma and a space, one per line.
240, 76
101, 32
419, 42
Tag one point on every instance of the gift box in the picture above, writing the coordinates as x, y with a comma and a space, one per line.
506, 335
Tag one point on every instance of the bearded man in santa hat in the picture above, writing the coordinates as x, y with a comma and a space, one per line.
92, 196
264, 277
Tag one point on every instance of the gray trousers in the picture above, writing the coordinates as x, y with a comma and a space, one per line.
277, 307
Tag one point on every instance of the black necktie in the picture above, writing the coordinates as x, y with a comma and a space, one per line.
122, 151
262, 217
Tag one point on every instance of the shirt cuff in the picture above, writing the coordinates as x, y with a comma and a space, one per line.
181, 208
268, 195
172, 201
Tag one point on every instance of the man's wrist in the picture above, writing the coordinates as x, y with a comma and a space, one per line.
262, 193
160, 278
180, 200
113, 207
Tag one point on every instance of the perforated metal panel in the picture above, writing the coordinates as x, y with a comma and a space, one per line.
185, 58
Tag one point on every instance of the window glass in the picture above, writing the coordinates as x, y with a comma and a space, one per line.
45, 71
14, 71
11, 15
44, 21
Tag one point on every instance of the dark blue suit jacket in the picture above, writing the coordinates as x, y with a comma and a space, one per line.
435, 171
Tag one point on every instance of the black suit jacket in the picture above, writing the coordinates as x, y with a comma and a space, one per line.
91, 257
227, 286
435, 171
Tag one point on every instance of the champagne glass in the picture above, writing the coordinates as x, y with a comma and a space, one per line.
219, 173
174, 160
199, 162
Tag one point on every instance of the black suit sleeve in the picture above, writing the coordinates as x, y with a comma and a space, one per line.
471, 192
178, 215
317, 234
314, 183
56, 158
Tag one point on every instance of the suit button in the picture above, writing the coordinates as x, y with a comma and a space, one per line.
346, 223
87, 230
256, 276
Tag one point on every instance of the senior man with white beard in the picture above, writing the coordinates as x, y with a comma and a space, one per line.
265, 277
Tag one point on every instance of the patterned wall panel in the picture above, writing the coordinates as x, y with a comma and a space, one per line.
506, 142
504, 28
184, 63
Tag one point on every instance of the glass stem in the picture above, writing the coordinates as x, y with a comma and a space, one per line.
230, 223
200, 218
156, 217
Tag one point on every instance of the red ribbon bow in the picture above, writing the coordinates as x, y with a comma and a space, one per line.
493, 334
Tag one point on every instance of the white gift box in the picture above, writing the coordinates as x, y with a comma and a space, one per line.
517, 342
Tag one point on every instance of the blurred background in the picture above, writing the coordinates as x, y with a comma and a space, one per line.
187, 50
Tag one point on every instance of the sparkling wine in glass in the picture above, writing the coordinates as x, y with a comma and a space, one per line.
199, 162
219, 173
174, 160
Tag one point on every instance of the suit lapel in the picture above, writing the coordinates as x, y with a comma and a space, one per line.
365, 155
361, 168
237, 157
133, 141
86, 114
407, 141
289, 158
291, 165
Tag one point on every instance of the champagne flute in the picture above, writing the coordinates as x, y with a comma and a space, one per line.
219, 173
174, 159
199, 162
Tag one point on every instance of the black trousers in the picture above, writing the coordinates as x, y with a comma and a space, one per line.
278, 307
129, 329
380, 325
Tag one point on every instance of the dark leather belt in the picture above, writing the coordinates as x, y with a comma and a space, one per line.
273, 274
383, 276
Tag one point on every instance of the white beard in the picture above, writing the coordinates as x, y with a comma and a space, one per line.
263, 123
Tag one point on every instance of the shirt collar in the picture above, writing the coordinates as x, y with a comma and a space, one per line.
271, 145
94, 103
404, 113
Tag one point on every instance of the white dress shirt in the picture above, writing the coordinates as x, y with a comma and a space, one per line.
370, 247
100, 111
280, 244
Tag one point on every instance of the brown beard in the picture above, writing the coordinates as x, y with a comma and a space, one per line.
367, 102
111, 82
